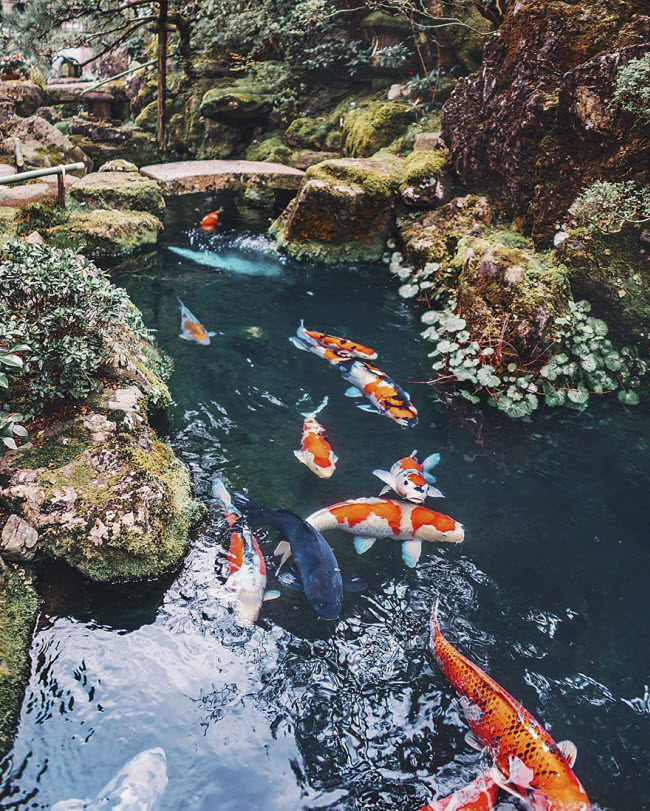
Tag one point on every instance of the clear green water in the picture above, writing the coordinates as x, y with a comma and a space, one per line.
549, 592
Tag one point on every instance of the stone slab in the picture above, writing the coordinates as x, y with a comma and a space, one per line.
20, 196
6, 170
188, 177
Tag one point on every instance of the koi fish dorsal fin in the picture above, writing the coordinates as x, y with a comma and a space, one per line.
569, 750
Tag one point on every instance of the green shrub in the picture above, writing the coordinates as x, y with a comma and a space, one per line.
69, 315
632, 91
10, 422
607, 206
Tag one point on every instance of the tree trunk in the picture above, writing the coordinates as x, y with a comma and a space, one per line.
162, 73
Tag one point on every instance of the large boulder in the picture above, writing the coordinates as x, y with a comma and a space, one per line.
102, 492
368, 129
426, 179
104, 232
538, 121
24, 97
232, 104
42, 144
343, 210
119, 190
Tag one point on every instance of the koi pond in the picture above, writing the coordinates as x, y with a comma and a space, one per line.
548, 593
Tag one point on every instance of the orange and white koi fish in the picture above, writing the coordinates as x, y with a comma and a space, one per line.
246, 566
371, 518
192, 329
386, 396
410, 479
342, 346
332, 357
315, 451
211, 220
527, 762
480, 795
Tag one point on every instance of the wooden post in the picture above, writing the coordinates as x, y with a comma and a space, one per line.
162, 73
18, 153
60, 189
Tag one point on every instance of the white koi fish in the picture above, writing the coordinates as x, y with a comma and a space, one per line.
315, 451
341, 346
246, 566
192, 329
138, 786
371, 518
410, 479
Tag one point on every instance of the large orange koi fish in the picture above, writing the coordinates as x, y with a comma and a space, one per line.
342, 346
527, 762
480, 795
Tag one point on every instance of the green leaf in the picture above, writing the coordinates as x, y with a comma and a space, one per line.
628, 397
4, 381
13, 361
473, 398
19, 430
578, 396
10, 442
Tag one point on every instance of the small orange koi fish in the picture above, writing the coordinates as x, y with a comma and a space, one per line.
192, 329
410, 479
211, 220
315, 451
342, 346
527, 762
481, 795
371, 518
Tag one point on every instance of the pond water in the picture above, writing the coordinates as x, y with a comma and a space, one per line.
549, 592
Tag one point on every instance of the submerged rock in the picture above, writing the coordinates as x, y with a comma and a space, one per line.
18, 608
126, 190
343, 210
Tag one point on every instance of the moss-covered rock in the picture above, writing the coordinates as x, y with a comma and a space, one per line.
189, 133
343, 210
103, 492
612, 272
104, 142
269, 148
230, 104
18, 607
118, 165
309, 132
119, 190
426, 179
42, 144
371, 128
148, 118
105, 232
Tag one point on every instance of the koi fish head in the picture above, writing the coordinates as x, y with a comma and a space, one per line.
413, 486
403, 414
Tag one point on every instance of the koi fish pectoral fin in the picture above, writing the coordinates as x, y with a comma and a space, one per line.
504, 785
363, 544
291, 581
433, 492
352, 582
370, 409
411, 551
385, 490
299, 455
385, 477
470, 740
569, 750
353, 392
271, 594
211, 334
283, 551
299, 344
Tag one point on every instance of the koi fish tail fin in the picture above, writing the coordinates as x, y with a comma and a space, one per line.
430, 462
220, 494
256, 513
179, 301
307, 415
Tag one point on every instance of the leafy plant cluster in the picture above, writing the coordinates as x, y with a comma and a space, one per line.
10, 421
71, 318
607, 206
584, 362
632, 90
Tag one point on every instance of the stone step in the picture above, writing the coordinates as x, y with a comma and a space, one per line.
188, 177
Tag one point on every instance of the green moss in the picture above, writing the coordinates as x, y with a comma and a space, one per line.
18, 607
148, 117
369, 129
105, 232
309, 133
119, 190
404, 144
234, 103
269, 148
422, 166
57, 450
380, 19
378, 178
7, 223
